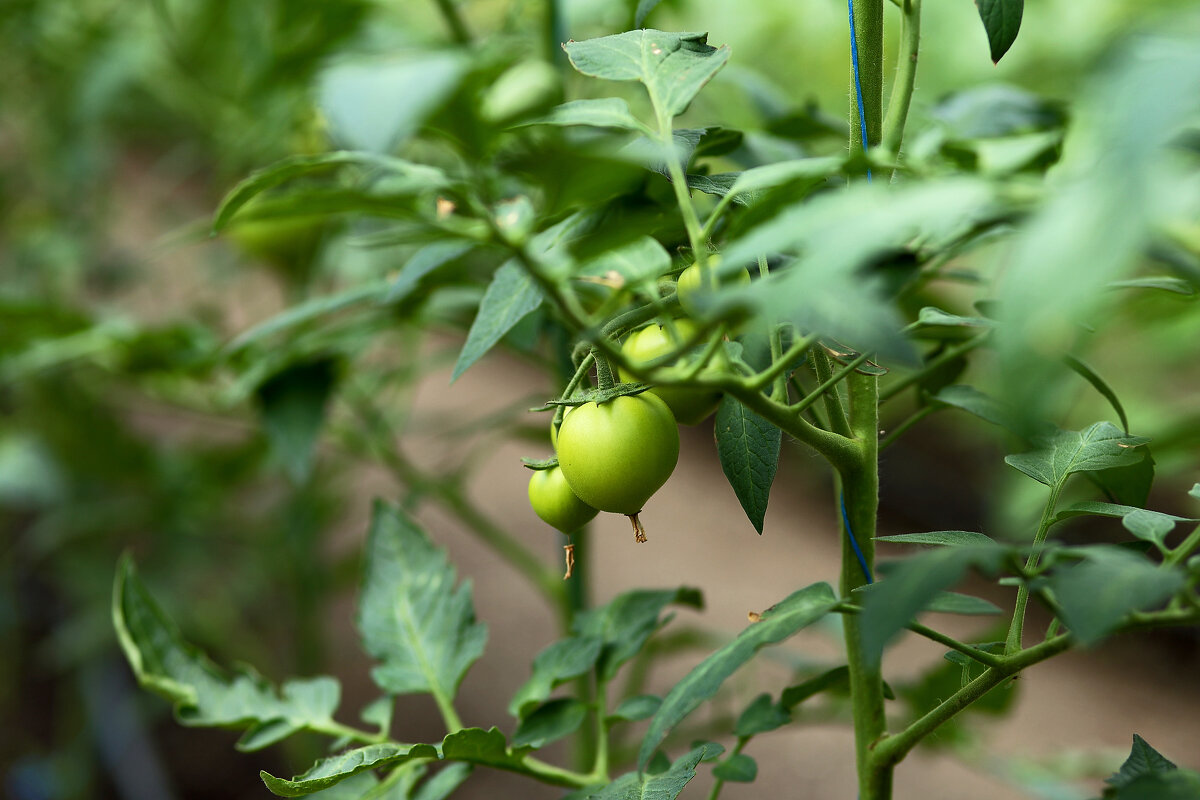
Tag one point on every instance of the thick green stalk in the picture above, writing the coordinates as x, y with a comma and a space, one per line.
868, 23
859, 487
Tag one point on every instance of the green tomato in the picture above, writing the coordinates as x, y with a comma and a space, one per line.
690, 406
553, 501
692, 288
618, 454
554, 428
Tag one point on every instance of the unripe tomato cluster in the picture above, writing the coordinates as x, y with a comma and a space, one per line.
614, 455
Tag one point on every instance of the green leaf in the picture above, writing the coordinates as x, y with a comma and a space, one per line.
1096, 595
1128, 485
1194, 492
946, 538
442, 785
330, 771
1175, 785
608, 112
558, 663
931, 317
1165, 283
1098, 383
489, 748
293, 403
1101, 446
836, 679
1143, 760
625, 623
1002, 21
672, 66
403, 177
1145, 517
890, 604
737, 768
510, 296
379, 713
831, 288
309, 310
632, 709
1149, 526
642, 259
665, 785
202, 693
965, 604
411, 616
421, 263
777, 623
748, 448
761, 716
975, 402
550, 722
809, 170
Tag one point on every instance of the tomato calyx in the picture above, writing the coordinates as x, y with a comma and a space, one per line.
597, 396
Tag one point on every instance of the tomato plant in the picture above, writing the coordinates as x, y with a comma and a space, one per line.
1010, 270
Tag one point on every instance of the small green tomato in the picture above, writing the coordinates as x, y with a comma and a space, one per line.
553, 501
692, 287
618, 454
690, 406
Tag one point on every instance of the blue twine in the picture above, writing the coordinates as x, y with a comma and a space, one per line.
862, 560
862, 115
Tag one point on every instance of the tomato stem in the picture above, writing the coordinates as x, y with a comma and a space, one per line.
639, 530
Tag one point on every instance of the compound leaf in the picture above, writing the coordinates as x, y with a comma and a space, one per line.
412, 617
330, 771
203, 694
777, 623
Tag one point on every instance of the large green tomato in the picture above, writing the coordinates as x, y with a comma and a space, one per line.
692, 287
690, 406
553, 501
618, 454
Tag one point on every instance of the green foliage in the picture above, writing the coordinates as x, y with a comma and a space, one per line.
748, 448
785, 619
672, 66
1002, 20
413, 620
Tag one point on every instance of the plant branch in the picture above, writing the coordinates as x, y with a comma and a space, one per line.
454, 21
938, 362
1017, 626
906, 77
833, 400
903, 428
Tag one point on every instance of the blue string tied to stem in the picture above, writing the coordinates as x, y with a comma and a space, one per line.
858, 553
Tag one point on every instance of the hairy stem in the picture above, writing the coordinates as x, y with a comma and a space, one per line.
1017, 627
906, 76
859, 487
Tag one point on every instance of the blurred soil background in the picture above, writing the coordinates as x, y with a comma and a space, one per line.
121, 429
